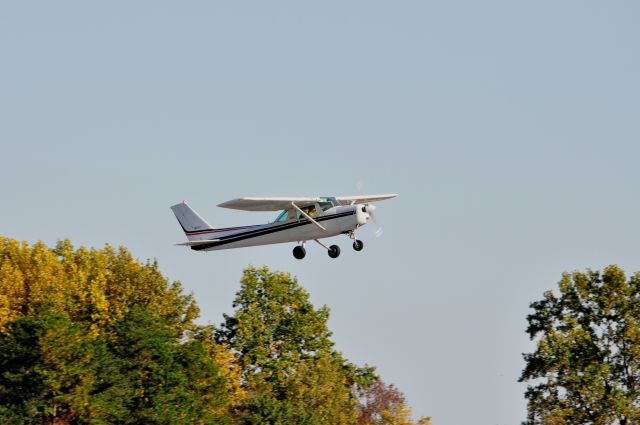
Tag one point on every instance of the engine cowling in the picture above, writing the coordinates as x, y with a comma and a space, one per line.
361, 214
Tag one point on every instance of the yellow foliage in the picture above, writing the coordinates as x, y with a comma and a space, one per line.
227, 361
12, 293
100, 286
400, 414
319, 384
97, 285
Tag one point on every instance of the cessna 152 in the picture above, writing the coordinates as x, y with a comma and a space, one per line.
300, 220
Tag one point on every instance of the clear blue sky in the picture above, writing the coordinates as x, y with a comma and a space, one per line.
509, 129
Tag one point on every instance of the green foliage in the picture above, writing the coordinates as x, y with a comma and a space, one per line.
265, 410
587, 362
53, 368
96, 337
171, 381
285, 350
19, 357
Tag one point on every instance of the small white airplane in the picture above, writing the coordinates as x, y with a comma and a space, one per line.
300, 220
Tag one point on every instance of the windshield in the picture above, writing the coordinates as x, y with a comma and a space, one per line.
328, 202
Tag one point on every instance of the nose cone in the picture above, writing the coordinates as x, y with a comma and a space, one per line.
361, 214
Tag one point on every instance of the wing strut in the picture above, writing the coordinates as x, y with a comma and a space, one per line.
307, 216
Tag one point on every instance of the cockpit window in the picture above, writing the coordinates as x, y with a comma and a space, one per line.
309, 210
284, 214
324, 203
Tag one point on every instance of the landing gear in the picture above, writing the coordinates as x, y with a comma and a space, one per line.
357, 243
299, 252
334, 251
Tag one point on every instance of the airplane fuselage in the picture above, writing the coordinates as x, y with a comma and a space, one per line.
336, 220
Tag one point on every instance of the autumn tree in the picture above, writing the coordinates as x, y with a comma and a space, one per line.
96, 336
586, 366
289, 365
96, 286
383, 404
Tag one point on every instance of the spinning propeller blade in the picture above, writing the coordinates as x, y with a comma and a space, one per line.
371, 210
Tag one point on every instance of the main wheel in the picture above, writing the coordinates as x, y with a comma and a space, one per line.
334, 251
299, 252
358, 245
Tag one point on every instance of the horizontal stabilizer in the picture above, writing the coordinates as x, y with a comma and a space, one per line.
195, 243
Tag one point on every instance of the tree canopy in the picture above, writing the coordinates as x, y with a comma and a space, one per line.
94, 336
383, 404
285, 351
586, 366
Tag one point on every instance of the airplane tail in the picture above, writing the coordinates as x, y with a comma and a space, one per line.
194, 226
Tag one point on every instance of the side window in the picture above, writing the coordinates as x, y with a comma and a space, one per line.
310, 211
282, 216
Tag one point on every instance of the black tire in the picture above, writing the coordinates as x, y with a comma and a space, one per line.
334, 251
299, 252
358, 245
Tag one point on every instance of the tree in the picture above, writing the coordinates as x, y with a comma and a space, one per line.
95, 336
172, 381
96, 286
286, 354
586, 366
266, 410
19, 383
53, 369
383, 404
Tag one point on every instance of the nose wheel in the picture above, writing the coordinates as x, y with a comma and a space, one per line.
357, 243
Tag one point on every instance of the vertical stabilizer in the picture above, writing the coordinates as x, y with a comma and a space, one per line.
190, 221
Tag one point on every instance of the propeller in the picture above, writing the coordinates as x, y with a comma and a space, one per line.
371, 210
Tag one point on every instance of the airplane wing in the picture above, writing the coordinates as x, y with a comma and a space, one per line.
267, 204
195, 243
346, 200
